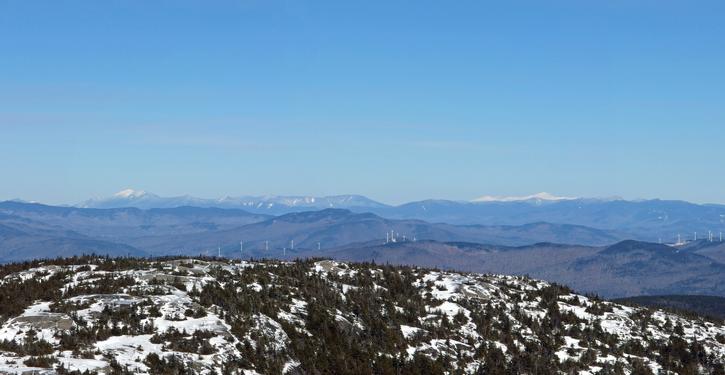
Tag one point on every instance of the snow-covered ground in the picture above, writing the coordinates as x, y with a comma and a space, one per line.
167, 295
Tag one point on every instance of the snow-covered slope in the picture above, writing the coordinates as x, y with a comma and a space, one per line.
213, 317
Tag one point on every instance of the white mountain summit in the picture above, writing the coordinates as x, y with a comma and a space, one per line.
130, 194
543, 196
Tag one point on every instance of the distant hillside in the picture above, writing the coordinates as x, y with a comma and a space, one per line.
701, 305
333, 227
628, 268
714, 249
17, 245
649, 220
123, 223
637, 268
193, 230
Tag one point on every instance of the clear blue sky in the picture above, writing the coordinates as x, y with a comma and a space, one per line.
395, 100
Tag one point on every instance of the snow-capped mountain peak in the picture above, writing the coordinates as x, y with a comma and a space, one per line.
130, 194
543, 196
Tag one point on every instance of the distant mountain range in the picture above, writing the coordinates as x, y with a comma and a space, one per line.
589, 259
648, 220
281, 204
264, 204
538, 198
335, 227
195, 230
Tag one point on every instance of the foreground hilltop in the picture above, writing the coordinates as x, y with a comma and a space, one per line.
205, 316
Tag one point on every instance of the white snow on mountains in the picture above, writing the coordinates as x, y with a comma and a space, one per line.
145, 200
543, 196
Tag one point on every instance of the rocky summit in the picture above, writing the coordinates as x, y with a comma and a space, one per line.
215, 316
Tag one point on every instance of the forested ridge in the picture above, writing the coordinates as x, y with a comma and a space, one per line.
184, 315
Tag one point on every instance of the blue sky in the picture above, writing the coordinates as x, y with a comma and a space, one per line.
391, 99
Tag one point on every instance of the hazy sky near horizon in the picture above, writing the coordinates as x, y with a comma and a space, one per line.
396, 100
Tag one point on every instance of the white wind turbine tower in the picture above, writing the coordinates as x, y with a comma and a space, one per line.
241, 249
